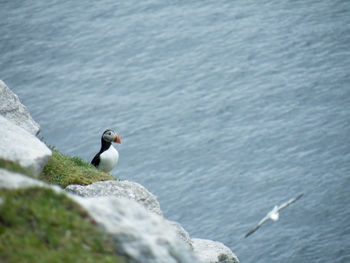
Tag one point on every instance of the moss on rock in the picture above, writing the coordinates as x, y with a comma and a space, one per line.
14, 167
39, 225
63, 170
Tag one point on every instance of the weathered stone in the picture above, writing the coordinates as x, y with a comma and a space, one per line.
12, 109
141, 236
129, 190
12, 180
181, 233
18, 145
209, 251
138, 234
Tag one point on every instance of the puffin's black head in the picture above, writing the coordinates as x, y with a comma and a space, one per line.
111, 136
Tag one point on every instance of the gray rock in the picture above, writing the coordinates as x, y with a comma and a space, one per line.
141, 236
12, 180
181, 233
18, 145
132, 191
12, 109
129, 190
209, 251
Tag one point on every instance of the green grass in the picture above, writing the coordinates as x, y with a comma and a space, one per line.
14, 167
63, 170
39, 225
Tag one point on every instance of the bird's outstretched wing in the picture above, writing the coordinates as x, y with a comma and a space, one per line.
262, 221
275, 210
284, 205
96, 160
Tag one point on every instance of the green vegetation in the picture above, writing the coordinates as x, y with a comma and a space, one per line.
64, 170
39, 225
14, 167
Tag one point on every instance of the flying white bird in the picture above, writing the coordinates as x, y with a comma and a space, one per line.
273, 214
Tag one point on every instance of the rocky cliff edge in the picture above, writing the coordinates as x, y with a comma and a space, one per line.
124, 210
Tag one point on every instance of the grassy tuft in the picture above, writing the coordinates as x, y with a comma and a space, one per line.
14, 167
39, 225
63, 170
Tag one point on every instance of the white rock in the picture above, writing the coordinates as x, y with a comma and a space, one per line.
209, 251
129, 190
181, 233
141, 236
132, 191
12, 180
12, 109
18, 145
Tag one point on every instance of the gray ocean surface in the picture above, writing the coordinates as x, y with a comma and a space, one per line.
224, 108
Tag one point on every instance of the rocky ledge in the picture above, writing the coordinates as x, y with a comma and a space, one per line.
125, 210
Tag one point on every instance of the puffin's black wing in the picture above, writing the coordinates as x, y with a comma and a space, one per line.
96, 160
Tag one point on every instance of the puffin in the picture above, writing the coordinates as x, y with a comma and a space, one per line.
107, 158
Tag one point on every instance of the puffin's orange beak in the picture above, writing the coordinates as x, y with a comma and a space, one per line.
117, 139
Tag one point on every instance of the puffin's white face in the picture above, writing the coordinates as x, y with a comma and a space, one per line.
111, 136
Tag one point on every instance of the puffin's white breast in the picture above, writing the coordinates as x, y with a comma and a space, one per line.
108, 159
